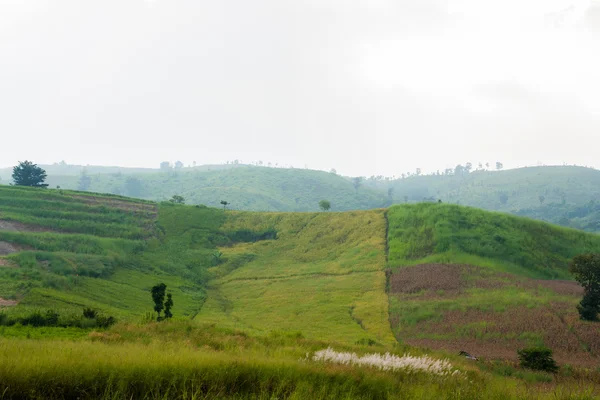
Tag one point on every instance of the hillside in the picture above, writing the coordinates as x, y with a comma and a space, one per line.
245, 187
488, 283
67, 250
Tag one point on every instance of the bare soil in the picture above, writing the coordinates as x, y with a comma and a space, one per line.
14, 226
7, 303
7, 248
120, 204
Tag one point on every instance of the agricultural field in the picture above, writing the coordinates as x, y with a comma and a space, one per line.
488, 284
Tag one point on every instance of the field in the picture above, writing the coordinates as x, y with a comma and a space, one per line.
259, 295
479, 282
323, 276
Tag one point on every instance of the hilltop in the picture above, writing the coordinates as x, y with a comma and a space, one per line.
564, 195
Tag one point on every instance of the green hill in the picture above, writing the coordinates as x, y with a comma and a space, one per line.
488, 283
257, 295
245, 187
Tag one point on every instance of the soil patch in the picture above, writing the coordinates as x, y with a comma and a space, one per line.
7, 303
14, 226
8, 248
120, 204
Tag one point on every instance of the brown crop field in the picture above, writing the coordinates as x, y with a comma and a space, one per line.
489, 314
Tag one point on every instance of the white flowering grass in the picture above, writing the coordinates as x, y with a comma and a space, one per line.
388, 362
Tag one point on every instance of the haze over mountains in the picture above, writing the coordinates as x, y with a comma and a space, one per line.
565, 195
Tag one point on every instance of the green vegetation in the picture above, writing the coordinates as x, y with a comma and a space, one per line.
586, 270
29, 174
319, 274
446, 233
474, 280
537, 358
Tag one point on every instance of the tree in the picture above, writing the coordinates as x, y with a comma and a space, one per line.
29, 174
406, 199
178, 164
499, 165
487, 165
468, 167
542, 198
158, 296
333, 171
418, 171
325, 205
165, 166
224, 204
84, 181
459, 170
356, 182
585, 268
177, 199
168, 306
537, 358
133, 187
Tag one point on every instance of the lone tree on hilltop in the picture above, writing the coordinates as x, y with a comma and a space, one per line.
224, 204
325, 205
29, 174
158, 296
586, 270
499, 165
177, 199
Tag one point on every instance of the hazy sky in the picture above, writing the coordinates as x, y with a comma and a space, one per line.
364, 86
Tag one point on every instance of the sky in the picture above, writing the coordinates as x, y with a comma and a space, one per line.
368, 87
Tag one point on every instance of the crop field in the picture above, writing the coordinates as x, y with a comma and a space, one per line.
323, 277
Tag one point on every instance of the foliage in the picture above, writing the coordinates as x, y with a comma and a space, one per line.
158, 297
52, 318
28, 174
537, 358
168, 306
177, 199
325, 205
586, 270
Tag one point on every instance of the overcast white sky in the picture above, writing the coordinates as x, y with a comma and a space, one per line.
363, 86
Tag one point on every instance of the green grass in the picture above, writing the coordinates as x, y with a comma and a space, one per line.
323, 276
430, 232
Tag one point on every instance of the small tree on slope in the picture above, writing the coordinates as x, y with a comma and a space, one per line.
586, 270
158, 296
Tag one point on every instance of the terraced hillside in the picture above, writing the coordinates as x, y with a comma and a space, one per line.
486, 283
64, 250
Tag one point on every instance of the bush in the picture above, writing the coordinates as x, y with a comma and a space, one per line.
537, 358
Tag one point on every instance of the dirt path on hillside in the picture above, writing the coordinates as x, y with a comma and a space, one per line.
120, 204
7, 248
14, 226
7, 303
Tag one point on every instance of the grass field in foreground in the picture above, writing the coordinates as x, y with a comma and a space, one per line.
184, 360
322, 276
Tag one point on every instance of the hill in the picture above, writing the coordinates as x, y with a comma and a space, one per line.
556, 194
67, 250
275, 304
245, 187
488, 283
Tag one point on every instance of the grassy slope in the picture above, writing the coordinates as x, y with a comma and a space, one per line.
245, 187
80, 257
323, 276
492, 310
324, 272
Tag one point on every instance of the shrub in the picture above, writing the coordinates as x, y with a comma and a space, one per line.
537, 358
89, 313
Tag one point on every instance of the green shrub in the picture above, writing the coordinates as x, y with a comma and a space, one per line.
537, 358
